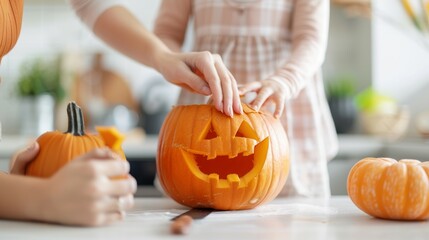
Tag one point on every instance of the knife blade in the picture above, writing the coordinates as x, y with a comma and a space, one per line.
195, 213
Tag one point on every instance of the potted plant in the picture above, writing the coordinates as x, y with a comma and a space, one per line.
40, 88
340, 93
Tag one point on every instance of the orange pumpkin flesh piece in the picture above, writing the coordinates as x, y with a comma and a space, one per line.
390, 189
112, 138
206, 159
58, 148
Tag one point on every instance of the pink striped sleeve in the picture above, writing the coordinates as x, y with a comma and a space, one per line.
309, 40
172, 21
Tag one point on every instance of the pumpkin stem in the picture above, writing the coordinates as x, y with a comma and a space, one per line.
75, 120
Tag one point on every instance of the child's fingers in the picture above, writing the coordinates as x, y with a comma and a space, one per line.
117, 204
20, 160
112, 217
121, 187
280, 105
261, 98
98, 153
106, 168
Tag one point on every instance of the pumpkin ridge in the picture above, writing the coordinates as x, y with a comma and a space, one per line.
356, 175
46, 167
255, 194
275, 190
269, 182
268, 128
161, 141
405, 191
421, 174
380, 192
30, 168
425, 213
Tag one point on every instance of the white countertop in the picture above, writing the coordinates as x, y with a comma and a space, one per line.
286, 219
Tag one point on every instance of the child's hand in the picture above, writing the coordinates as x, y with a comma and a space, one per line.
20, 160
83, 193
216, 81
267, 91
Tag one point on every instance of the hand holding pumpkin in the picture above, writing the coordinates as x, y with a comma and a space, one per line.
83, 193
269, 90
19, 162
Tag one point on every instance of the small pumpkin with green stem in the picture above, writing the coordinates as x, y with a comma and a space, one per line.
58, 148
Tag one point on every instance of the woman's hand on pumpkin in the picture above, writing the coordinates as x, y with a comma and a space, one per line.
268, 91
84, 193
203, 73
19, 161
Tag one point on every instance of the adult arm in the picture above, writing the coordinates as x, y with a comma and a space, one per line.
119, 28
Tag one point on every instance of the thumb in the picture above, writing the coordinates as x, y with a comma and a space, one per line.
21, 159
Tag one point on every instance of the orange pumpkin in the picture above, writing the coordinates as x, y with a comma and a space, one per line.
390, 189
58, 148
10, 24
209, 160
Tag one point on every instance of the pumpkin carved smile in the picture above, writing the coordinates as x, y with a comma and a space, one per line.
223, 170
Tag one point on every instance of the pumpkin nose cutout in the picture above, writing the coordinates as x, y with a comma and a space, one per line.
211, 133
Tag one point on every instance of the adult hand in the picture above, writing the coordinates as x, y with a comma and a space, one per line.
268, 91
83, 193
20, 160
204, 73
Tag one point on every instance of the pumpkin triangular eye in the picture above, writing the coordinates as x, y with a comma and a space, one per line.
246, 131
211, 133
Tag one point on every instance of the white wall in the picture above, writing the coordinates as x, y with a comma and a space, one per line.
50, 27
400, 57
349, 48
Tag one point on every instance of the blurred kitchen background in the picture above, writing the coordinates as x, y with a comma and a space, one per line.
376, 72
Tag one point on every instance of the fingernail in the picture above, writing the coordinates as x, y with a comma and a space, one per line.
230, 111
220, 107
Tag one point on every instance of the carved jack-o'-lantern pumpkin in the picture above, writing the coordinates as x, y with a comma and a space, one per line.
209, 160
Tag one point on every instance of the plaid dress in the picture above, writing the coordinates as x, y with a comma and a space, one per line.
284, 40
